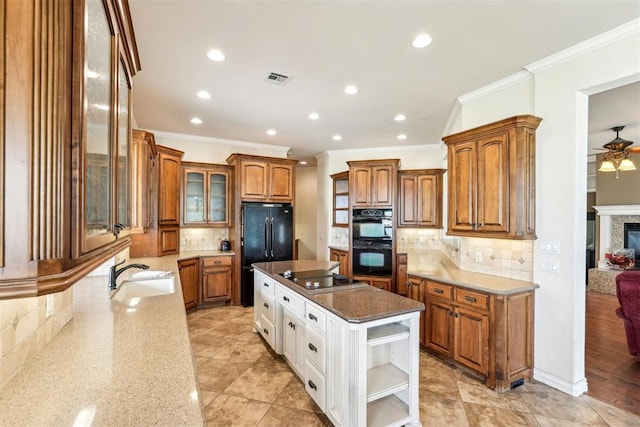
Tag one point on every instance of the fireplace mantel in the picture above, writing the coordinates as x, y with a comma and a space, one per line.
605, 213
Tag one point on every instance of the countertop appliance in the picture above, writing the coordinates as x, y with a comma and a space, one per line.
225, 245
267, 235
315, 281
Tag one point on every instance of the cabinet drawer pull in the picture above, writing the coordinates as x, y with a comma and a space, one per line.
286, 299
266, 305
312, 385
292, 325
218, 262
312, 317
313, 347
265, 284
265, 331
470, 299
438, 291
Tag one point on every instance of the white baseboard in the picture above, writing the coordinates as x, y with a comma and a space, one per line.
574, 389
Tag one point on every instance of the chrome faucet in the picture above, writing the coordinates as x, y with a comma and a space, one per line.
114, 273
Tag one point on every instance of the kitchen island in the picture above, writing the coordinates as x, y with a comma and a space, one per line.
355, 347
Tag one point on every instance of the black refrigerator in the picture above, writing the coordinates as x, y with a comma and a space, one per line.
267, 235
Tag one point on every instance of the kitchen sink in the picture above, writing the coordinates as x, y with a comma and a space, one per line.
145, 288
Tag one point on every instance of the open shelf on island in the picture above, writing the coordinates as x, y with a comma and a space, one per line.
387, 333
388, 411
384, 380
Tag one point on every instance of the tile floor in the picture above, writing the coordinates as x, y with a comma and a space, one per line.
244, 383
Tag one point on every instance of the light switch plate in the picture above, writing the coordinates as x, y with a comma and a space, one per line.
549, 247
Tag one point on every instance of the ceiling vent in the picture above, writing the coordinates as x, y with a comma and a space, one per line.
279, 79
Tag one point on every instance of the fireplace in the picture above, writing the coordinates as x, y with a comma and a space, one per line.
610, 233
632, 239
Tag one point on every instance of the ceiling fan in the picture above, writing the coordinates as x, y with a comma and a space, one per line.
616, 158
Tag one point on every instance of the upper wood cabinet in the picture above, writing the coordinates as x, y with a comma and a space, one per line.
420, 198
492, 179
170, 172
372, 183
340, 199
144, 158
264, 179
205, 194
65, 128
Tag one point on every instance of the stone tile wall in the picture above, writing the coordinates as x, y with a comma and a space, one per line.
499, 257
202, 239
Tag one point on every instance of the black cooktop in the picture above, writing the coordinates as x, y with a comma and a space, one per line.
316, 279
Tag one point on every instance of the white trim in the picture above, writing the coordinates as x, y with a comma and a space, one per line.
574, 389
211, 140
605, 213
594, 43
497, 86
617, 210
453, 116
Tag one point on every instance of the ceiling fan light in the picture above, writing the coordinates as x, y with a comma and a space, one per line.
607, 166
626, 165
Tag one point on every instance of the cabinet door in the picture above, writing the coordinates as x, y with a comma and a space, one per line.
218, 192
341, 199
280, 182
343, 258
168, 240
493, 183
402, 281
361, 186
194, 192
216, 284
427, 205
408, 200
382, 186
462, 194
439, 327
254, 181
472, 339
293, 341
417, 292
169, 188
188, 270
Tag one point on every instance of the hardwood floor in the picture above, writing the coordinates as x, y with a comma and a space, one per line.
613, 375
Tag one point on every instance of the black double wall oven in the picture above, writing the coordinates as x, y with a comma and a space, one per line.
372, 242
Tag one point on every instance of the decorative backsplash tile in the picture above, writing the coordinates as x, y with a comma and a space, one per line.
498, 257
409, 239
25, 328
202, 239
339, 236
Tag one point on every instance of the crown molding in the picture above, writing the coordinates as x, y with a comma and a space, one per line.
211, 140
597, 42
497, 86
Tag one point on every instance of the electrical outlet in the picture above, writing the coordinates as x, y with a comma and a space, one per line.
478, 257
49, 305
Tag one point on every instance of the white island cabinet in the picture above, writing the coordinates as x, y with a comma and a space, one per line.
356, 350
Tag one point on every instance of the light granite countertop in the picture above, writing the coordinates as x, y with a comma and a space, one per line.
114, 363
434, 265
355, 304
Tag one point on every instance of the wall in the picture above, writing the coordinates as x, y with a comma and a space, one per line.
305, 212
623, 190
557, 91
25, 328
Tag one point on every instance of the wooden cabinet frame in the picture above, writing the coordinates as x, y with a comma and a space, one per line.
420, 198
337, 178
207, 170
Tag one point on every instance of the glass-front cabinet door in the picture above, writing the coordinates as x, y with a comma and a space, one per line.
205, 194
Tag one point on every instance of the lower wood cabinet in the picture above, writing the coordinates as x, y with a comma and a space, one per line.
375, 281
188, 270
206, 280
343, 258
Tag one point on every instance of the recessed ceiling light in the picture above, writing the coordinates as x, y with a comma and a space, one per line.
402, 136
303, 162
350, 90
196, 121
337, 137
314, 116
215, 55
421, 40
400, 118
203, 94
271, 132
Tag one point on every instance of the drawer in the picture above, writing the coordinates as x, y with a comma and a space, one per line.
268, 307
472, 299
288, 298
314, 383
216, 261
314, 349
266, 284
439, 290
268, 332
315, 317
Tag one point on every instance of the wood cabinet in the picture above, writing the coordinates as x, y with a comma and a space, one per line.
217, 278
144, 157
340, 199
162, 237
189, 270
490, 335
402, 280
205, 194
343, 258
420, 198
415, 288
372, 183
64, 141
264, 179
379, 282
491, 189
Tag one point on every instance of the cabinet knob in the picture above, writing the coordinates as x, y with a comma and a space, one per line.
266, 285
286, 299
265, 331
266, 305
407, 283
313, 347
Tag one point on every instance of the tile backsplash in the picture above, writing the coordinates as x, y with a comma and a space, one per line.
25, 328
202, 239
498, 257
